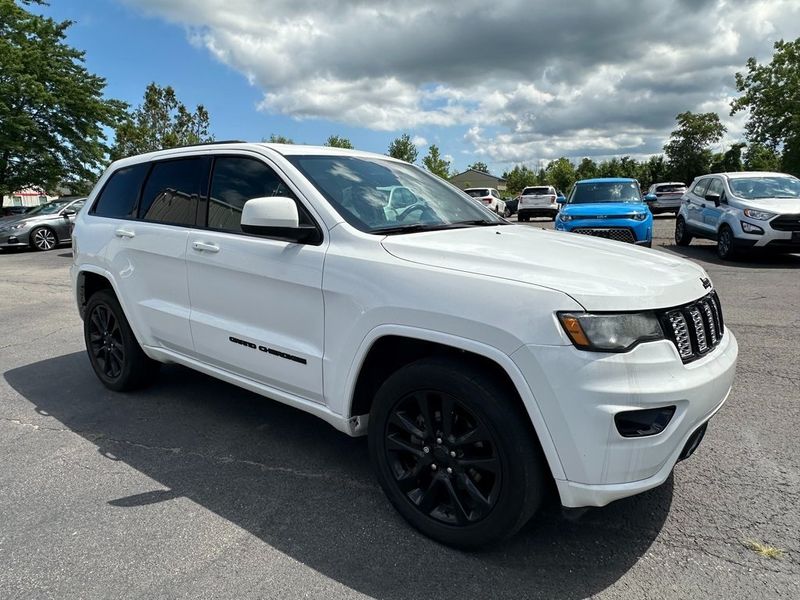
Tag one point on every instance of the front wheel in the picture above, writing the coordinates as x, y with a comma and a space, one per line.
506, 213
116, 357
43, 238
725, 244
682, 236
454, 453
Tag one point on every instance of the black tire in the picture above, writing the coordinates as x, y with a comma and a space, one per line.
43, 239
116, 357
506, 213
490, 464
682, 235
726, 249
522, 219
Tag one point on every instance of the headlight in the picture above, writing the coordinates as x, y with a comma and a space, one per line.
610, 333
18, 226
564, 217
758, 215
639, 216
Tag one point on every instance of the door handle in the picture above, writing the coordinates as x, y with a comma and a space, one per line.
204, 247
124, 233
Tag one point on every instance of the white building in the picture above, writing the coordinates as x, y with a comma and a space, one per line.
27, 197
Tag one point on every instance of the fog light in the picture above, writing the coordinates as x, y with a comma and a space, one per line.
750, 228
641, 423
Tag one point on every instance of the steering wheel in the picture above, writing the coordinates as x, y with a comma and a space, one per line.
423, 208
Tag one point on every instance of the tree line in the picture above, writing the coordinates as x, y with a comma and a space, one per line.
53, 115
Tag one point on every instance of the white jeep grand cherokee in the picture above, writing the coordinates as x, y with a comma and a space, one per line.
279, 269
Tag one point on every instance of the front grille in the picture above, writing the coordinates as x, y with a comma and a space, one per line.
786, 223
694, 328
620, 234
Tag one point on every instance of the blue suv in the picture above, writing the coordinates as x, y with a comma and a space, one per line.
608, 207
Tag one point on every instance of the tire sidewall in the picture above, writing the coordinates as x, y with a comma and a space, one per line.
520, 486
129, 343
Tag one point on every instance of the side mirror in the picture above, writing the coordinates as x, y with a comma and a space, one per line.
560, 200
713, 198
650, 198
69, 212
276, 217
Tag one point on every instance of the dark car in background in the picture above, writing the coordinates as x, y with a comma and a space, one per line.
42, 228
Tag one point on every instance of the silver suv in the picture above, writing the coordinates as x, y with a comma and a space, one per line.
742, 210
668, 197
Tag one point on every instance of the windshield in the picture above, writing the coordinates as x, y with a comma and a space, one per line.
357, 188
751, 188
536, 191
590, 193
48, 209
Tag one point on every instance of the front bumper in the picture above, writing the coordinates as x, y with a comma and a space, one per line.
641, 231
787, 241
579, 393
14, 239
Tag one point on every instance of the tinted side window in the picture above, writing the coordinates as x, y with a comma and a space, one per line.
700, 188
236, 180
172, 191
118, 196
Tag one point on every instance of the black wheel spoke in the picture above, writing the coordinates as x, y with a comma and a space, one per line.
427, 412
428, 500
402, 421
475, 494
459, 511
448, 415
488, 463
397, 444
474, 435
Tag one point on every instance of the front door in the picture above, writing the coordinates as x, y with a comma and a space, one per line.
256, 303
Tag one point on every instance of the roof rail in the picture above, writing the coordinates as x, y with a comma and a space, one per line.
211, 143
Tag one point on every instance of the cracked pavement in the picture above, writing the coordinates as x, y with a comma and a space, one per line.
196, 489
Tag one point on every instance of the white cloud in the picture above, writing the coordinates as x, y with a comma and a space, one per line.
419, 141
526, 79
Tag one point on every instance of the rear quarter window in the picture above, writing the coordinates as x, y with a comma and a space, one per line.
118, 197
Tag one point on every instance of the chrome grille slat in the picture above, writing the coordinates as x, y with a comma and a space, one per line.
695, 328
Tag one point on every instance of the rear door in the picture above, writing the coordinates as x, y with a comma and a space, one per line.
147, 254
257, 306
695, 205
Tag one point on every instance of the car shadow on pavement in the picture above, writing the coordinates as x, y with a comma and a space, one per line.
752, 259
307, 490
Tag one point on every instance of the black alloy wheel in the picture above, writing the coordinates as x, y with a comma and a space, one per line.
442, 457
455, 452
105, 341
43, 238
116, 356
725, 247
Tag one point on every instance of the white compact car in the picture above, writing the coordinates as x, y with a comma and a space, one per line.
748, 210
277, 268
490, 198
537, 201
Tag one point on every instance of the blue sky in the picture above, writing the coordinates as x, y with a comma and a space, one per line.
521, 82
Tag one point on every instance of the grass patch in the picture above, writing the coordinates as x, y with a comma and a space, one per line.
764, 550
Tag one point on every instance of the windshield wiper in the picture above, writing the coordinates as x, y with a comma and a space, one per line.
432, 226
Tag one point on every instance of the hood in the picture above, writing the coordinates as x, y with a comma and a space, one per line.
611, 209
599, 274
779, 206
12, 219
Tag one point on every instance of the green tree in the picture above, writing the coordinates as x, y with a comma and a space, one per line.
403, 148
479, 166
337, 141
587, 169
275, 138
771, 94
761, 158
519, 178
729, 161
561, 174
160, 122
610, 168
653, 170
52, 109
435, 163
688, 150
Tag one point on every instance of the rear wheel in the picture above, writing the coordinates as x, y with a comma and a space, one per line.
682, 235
725, 243
116, 357
43, 238
454, 454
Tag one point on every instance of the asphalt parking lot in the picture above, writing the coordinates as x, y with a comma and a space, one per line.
197, 489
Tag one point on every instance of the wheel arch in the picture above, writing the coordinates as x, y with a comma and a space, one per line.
388, 348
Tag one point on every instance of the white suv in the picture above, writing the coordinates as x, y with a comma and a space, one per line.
277, 268
537, 201
748, 210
